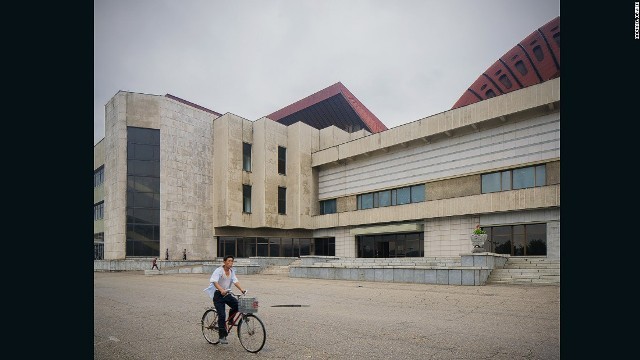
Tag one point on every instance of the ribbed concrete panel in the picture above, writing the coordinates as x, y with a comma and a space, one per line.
513, 144
186, 175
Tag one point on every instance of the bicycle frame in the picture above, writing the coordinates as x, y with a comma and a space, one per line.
251, 330
230, 323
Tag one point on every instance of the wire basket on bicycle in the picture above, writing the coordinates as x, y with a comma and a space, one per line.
248, 304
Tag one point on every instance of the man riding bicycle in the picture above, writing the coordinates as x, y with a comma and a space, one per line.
222, 278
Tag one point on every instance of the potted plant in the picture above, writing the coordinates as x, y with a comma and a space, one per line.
478, 237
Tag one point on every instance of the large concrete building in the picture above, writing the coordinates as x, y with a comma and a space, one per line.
324, 176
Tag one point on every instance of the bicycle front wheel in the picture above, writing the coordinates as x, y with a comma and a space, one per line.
251, 333
210, 326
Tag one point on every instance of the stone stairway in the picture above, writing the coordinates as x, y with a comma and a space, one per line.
280, 269
527, 270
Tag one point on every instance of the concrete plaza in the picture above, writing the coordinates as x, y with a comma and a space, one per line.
158, 317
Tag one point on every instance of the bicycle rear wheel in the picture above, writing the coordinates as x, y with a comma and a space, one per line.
251, 333
210, 326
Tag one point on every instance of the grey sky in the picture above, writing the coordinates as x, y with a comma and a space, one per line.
404, 60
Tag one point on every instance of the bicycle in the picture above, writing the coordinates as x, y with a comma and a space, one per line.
251, 331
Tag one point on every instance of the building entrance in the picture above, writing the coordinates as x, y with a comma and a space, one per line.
390, 245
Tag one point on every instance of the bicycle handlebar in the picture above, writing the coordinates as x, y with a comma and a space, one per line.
229, 291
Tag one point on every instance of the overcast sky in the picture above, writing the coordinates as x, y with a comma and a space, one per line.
404, 59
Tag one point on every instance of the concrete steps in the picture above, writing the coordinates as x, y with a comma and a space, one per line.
280, 269
527, 270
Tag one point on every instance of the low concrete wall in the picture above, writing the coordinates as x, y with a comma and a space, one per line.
312, 259
139, 264
474, 270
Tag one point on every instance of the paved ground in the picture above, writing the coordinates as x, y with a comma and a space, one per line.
158, 317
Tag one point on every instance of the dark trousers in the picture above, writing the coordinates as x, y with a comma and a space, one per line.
219, 302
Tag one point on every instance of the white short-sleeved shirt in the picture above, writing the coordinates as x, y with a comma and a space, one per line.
222, 279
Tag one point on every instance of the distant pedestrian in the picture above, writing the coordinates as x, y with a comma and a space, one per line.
155, 264
184, 254
166, 254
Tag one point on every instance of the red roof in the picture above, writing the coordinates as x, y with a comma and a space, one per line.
534, 60
372, 122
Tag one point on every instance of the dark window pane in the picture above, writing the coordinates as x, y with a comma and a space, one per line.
505, 81
246, 157
490, 183
521, 68
523, 178
537, 51
541, 176
501, 239
274, 247
518, 240
417, 193
404, 196
556, 37
367, 201
506, 180
536, 239
305, 246
246, 195
282, 200
143, 151
490, 93
287, 247
282, 160
327, 207
384, 198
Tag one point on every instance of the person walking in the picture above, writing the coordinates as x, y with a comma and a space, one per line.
155, 264
221, 279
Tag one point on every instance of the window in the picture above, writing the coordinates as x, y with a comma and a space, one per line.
282, 160
490, 93
384, 198
246, 156
393, 197
143, 192
244, 247
505, 81
98, 176
537, 51
523, 178
556, 37
282, 200
365, 201
328, 207
98, 211
246, 199
517, 240
521, 68
491, 183
417, 193
404, 196
390, 245
514, 179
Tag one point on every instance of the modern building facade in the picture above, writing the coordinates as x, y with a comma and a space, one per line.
324, 176
172, 177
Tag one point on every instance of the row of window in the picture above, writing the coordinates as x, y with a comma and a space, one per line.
246, 158
532, 176
244, 247
246, 199
517, 240
399, 196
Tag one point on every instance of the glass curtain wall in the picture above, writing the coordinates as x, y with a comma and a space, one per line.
143, 192
244, 247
